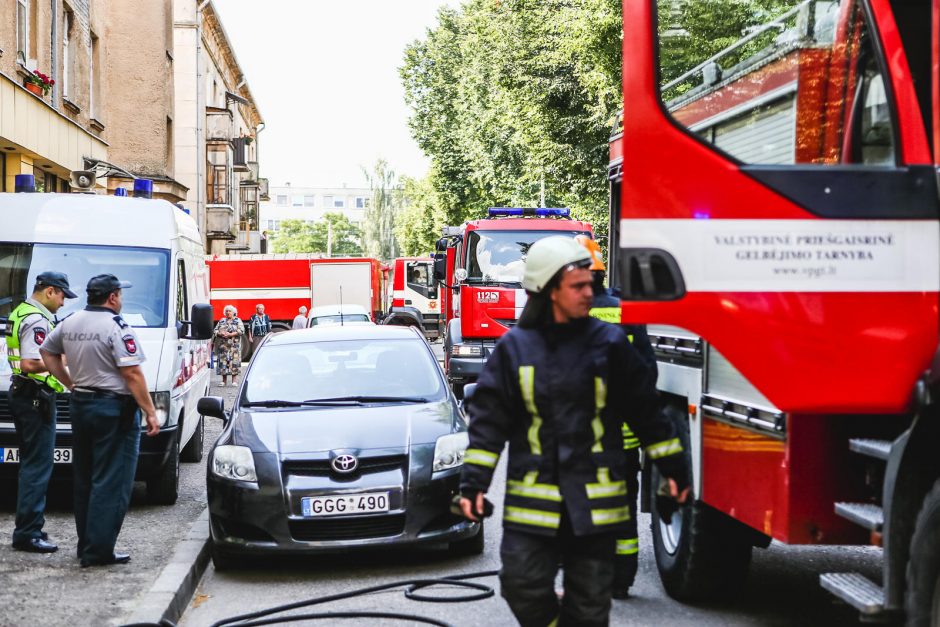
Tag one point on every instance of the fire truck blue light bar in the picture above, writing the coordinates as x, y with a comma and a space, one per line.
495, 212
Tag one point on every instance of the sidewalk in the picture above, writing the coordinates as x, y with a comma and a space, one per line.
54, 590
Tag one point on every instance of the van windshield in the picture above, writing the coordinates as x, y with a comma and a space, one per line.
145, 304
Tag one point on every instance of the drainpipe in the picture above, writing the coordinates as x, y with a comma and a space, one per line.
55, 56
201, 210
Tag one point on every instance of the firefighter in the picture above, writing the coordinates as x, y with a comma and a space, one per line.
32, 402
606, 306
556, 387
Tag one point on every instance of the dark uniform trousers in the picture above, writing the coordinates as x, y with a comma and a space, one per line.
530, 565
626, 561
35, 420
104, 460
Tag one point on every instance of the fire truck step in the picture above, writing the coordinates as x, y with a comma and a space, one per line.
867, 515
879, 449
855, 589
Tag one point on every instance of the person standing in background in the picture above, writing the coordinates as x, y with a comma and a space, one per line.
300, 320
258, 327
229, 332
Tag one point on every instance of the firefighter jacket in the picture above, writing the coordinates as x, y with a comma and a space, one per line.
606, 307
558, 394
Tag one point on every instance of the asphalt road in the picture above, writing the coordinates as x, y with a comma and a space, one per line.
39, 590
782, 588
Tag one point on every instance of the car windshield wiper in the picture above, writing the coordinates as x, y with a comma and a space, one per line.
370, 399
280, 403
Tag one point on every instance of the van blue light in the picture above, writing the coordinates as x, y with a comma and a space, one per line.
120, 191
143, 188
495, 212
24, 183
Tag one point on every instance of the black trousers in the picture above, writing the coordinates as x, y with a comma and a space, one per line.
530, 565
628, 544
34, 419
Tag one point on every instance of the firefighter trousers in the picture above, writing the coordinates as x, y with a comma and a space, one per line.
530, 565
627, 556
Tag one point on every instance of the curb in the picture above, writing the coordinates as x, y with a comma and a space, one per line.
168, 597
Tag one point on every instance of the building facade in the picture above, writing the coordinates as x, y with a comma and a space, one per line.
309, 204
216, 133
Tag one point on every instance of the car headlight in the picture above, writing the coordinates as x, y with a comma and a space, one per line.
161, 400
234, 462
449, 451
466, 350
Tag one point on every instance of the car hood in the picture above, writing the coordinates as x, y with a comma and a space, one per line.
323, 429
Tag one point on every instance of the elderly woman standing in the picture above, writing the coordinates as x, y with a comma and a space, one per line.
229, 331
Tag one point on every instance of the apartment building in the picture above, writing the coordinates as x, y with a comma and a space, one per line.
216, 134
309, 204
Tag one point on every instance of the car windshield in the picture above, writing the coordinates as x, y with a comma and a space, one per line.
311, 371
325, 320
145, 304
499, 256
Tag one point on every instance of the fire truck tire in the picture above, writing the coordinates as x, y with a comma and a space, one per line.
922, 599
700, 556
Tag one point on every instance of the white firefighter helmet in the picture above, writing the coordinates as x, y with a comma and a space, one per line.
549, 255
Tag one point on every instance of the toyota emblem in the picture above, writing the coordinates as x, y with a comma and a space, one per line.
345, 463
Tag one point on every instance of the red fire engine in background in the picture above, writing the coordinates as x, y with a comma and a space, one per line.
480, 265
415, 296
285, 282
777, 207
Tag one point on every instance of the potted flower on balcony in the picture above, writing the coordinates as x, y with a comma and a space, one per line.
38, 83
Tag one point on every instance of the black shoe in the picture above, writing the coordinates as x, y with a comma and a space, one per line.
36, 545
621, 594
117, 558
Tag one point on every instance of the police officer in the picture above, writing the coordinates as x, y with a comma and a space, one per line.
557, 387
32, 403
108, 393
606, 306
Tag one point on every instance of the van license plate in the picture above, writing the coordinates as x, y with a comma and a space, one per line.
346, 504
11, 455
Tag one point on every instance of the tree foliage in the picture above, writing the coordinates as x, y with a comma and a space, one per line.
379, 223
334, 235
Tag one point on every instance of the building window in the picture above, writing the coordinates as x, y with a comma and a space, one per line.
94, 82
297, 200
282, 199
274, 225
338, 202
22, 28
68, 54
309, 200
362, 202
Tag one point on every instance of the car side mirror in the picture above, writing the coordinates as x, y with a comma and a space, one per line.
213, 406
200, 325
468, 392
440, 266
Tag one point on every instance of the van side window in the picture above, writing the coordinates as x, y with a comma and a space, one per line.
182, 297
798, 83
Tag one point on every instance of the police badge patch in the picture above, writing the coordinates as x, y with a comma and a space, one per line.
39, 336
130, 344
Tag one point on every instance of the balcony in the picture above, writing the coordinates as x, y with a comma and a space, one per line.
252, 173
219, 125
263, 190
220, 221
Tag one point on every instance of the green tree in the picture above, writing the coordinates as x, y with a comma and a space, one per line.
334, 234
379, 224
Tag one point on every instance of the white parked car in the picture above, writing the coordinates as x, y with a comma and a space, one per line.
339, 315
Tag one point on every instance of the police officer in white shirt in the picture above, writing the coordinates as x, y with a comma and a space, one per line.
108, 393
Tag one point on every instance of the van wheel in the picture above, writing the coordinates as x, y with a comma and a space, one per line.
469, 546
701, 557
922, 599
192, 452
163, 489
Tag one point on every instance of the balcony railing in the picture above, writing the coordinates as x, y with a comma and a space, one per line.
240, 154
219, 125
220, 221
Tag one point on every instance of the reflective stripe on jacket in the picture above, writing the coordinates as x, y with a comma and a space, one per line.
548, 392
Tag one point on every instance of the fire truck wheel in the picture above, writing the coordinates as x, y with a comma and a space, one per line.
922, 600
699, 556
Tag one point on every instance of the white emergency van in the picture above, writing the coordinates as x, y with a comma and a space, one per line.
154, 245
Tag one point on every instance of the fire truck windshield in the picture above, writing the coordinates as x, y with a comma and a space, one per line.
499, 256
144, 305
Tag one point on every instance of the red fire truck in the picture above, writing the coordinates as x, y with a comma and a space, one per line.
284, 282
777, 206
415, 296
481, 265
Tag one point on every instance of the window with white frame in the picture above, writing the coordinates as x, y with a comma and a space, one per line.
297, 200
68, 54
274, 225
362, 202
282, 199
338, 202
309, 200
22, 28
